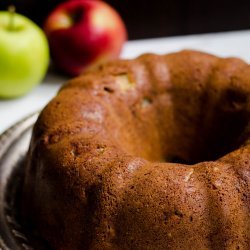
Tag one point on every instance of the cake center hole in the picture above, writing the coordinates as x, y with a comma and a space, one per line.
210, 133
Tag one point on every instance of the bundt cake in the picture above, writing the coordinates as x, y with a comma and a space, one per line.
150, 153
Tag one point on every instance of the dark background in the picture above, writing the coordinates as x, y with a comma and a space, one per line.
157, 18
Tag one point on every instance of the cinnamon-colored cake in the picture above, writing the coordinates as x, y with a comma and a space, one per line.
151, 153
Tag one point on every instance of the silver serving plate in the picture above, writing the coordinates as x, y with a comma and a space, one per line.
13, 147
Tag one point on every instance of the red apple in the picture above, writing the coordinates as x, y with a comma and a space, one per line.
83, 33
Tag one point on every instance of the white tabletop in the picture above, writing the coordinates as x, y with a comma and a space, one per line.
222, 44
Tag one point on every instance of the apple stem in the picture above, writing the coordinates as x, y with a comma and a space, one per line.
12, 11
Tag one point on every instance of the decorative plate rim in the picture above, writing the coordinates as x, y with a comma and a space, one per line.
9, 236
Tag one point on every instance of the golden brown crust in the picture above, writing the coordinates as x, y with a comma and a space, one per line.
99, 172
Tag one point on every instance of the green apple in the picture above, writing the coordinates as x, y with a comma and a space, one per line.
24, 55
